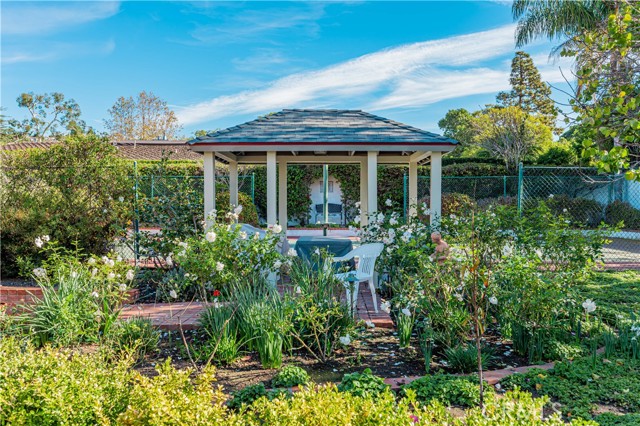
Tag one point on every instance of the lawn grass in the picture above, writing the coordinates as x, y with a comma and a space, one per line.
615, 293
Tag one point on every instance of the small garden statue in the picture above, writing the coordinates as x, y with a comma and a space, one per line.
442, 248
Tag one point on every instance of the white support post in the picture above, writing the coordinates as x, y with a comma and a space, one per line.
272, 203
282, 194
372, 182
364, 174
209, 184
233, 183
413, 189
436, 188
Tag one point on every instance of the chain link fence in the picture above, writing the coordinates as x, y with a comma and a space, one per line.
589, 199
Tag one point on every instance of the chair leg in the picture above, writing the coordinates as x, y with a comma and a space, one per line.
373, 294
352, 298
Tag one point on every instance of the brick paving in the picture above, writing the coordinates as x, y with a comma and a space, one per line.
172, 316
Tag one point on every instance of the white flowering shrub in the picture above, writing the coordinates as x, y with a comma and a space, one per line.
81, 298
221, 254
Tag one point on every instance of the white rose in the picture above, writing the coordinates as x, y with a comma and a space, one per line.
40, 272
210, 236
388, 202
393, 221
589, 305
130, 274
380, 217
345, 340
276, 229
385, 307
277, 264
169, 261
406, 312
298, 290
493, 300
292, 252
45, 238
219, 266
95, 294
121, 199
356, 219
173, 294
91, 261
39, 242
243, 235
122, 287
111, 276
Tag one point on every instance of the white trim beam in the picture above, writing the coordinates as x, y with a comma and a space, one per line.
413, 189
372, 182
364, 174
233, 183
227, 156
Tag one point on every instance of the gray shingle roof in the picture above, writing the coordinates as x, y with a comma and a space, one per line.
326, 125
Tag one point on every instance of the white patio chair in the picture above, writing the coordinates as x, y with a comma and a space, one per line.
367, 255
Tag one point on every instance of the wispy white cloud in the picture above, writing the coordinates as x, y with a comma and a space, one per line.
448, 67
27, 18
57, 50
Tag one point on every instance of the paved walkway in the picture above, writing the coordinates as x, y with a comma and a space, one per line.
173, 316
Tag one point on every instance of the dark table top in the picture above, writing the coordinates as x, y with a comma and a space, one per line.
306, 246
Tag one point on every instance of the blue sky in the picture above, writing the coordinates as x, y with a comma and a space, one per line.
220, 64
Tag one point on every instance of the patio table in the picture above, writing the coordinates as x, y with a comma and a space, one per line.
306, 246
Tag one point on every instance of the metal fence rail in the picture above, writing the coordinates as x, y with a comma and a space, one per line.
589, 199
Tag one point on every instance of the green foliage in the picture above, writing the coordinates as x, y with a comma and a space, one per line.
464, 358
47, 111
617, 294
320, 317
457, 124
557, 156
580, 384
620, 211
77, 192
146, 117
52, 387
80, 300
215, 258
250, 394
474, 169
447, 389
452, 204
134, 337
249, 213
219, 325
581, 211
290, 375
364, 384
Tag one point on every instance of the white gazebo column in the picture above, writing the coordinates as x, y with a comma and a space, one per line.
209, 184
364, 175
282, 194
436, 188
271, 188
372, 182
233, 183
413, 188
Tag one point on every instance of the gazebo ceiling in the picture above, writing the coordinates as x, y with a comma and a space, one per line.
328, 133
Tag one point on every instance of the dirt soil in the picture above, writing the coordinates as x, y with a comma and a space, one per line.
376, 349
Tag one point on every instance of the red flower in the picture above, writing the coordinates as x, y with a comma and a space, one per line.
216, 293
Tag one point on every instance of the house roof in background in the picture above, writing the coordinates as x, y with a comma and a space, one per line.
130, 150
322, 127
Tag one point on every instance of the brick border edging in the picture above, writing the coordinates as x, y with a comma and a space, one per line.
13, 296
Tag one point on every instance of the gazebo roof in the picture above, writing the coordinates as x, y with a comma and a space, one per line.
330, 129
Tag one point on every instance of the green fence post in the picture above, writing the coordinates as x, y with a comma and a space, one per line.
136, 226
253, 188
504, 187
404, 195
520, 182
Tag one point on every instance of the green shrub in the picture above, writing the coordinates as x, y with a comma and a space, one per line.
561, 351
452, 204
464, 358
290, 375
364, 384
71, 192
249, 213
557, 156
250, 394
55, 387
135, 337
447, 389
582, 211
620, 211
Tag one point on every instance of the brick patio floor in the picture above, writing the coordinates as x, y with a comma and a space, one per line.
172, 316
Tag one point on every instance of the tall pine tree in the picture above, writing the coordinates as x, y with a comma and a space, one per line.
529, 92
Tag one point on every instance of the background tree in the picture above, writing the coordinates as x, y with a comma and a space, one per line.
146, 117
48, 113
457, 124
511, 134
528, 91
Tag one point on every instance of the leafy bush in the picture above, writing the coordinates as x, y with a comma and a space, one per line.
212, 260
452, 204
249, 213
620, 211
364, 384
52, 387
77, 192
250, 394
581, 211
447, 389
135, 337
464, 358
557, 156
290, 375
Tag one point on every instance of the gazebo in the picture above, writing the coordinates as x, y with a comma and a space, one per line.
322, 136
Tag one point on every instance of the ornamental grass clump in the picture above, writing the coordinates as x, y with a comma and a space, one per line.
320, 318
134, 338
219, 324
